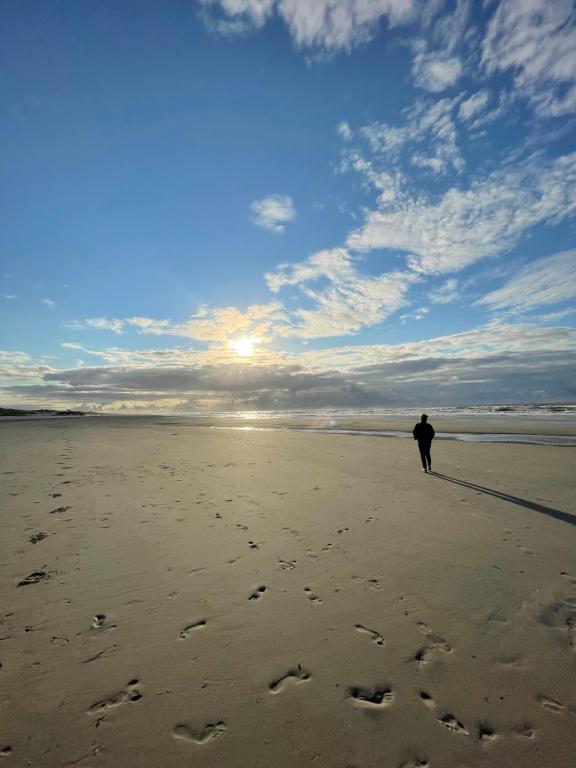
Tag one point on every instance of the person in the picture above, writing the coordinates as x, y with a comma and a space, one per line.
424, 433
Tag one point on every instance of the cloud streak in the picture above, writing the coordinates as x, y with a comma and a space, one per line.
545, 281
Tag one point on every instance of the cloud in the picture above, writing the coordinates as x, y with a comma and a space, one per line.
50, 303
473, 105
549, 280
436, 63
344, 130
553, 317
328, 25
216, 325
466, 225
446, 293
428, 139
331, 264
536, 41
500, 362
436, 73
224, 323
8, 296
21, 366
418, 314
273, 212
99, 323
346, 302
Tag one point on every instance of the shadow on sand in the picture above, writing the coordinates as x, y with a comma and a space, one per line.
565, 517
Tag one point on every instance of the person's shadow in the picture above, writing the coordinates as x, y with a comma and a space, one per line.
565, 517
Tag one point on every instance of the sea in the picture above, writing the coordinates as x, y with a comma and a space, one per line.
499, 417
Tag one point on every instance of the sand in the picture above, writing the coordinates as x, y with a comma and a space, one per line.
180, 596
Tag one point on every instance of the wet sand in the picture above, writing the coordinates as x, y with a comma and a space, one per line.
180, 596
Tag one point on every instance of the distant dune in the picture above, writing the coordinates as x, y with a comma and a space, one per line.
39, 412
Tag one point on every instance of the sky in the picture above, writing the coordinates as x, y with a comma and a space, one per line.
214, 205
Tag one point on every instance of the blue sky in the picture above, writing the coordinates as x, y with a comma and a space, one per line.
279, 204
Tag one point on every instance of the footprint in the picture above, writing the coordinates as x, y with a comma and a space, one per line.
257, 594
58, 510
298, 675
376, 636
210, 732
486, 733
98, 620
435, 643
34, 578
36, 537
417, 763
525, 550
428, 700
130, 693
372, 584
287, 565
311, 596
379, 697
450, 722
550, 704
343, 530
561, 614
189, 628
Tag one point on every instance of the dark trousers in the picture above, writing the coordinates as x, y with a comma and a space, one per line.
424, 448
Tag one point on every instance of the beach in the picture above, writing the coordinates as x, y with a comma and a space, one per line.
177, 595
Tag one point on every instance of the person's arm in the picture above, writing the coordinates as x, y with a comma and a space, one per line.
415, 432
432, 433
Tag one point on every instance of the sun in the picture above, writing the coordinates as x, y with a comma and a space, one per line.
244, 347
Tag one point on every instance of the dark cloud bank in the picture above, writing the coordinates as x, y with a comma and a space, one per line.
505, 377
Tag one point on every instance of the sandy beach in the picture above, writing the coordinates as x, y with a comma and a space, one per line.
180, 596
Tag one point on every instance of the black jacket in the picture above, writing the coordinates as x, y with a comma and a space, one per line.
423, 432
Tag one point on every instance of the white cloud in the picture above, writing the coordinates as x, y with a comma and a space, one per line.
495, 338
446, 293
328, 25
344, 130
418, 314
472, 106
429, 136
436, 73
273, 212
466, 225
553, 317
14, 357
549, 280
101, 323
536, 40
8, 296
155, 326
332, 264
50, 303
436, 63
349, 301
221, 324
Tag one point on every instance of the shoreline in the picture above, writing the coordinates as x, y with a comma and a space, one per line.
474, 428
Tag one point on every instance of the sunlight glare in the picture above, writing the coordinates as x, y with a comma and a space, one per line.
244, 347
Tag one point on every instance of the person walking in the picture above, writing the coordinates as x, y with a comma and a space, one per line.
424, 433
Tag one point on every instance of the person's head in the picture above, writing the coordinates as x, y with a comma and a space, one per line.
424, 417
